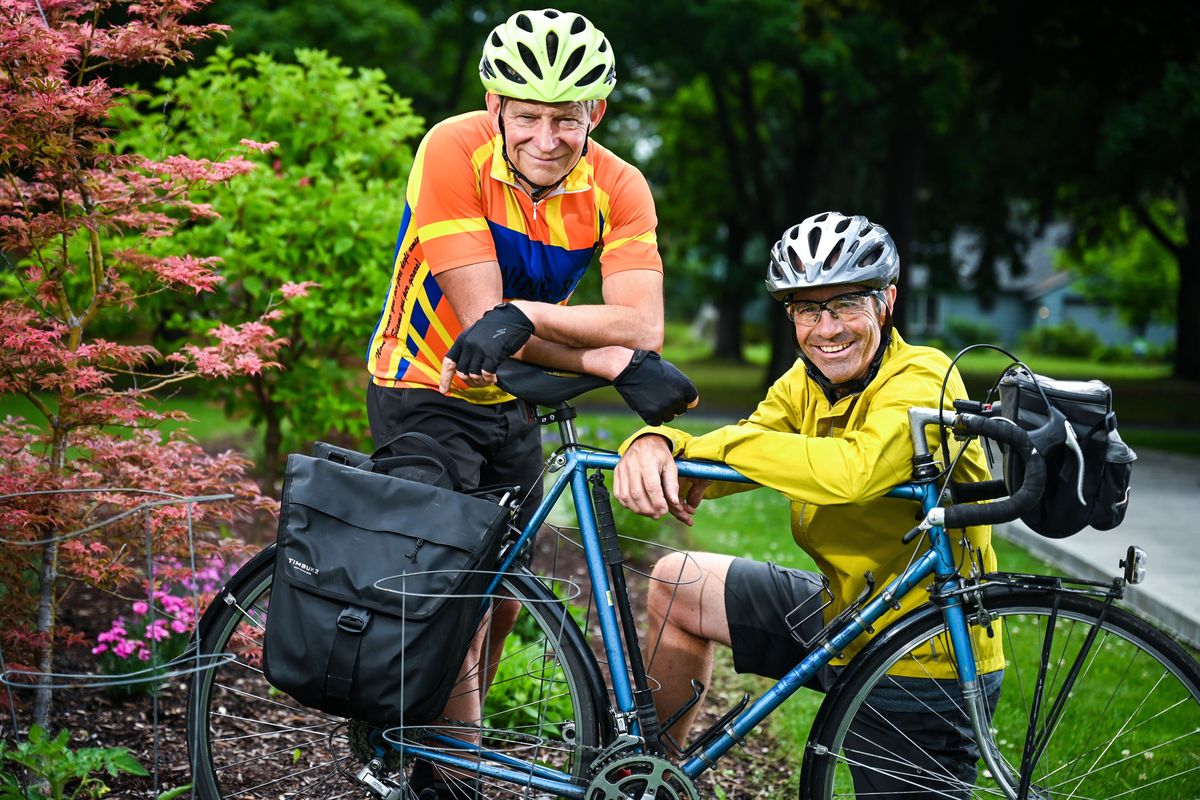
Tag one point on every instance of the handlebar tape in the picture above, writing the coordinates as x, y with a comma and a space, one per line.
1019, 502
972, 492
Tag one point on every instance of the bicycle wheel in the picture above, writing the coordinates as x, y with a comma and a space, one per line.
1072, 715
249, 740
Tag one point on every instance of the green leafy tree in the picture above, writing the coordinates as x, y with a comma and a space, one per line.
769, 111
1129, 269
429, 49
321, 211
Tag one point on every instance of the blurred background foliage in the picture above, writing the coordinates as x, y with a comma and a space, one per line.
978, 121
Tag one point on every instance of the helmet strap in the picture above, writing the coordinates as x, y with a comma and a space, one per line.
537, 190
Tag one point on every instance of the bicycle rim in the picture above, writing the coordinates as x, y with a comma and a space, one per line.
1114, 714
249, 740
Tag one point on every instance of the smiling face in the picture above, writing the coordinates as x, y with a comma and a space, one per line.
842, 348
544, 141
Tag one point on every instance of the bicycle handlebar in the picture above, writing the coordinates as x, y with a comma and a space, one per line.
1019, 502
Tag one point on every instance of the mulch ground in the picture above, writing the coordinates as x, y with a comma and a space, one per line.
154, 729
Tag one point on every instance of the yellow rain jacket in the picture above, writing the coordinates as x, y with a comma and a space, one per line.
835, 463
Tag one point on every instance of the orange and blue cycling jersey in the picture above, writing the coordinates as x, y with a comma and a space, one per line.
463, 206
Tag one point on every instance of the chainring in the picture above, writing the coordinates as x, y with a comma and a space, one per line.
363, 736
640, 777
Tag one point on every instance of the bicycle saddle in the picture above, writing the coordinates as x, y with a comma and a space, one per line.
544, 386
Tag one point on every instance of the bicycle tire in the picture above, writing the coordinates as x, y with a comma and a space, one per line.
248, 740
1129, 725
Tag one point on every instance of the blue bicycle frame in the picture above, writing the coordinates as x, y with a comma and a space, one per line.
573, 466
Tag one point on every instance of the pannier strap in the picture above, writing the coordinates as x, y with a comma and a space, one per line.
339, 675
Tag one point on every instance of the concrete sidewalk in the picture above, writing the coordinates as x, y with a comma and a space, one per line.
1164, 520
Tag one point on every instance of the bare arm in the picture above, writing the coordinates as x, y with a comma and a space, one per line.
596, 339
632, 315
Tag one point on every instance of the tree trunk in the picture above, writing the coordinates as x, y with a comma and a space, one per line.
46, 611
729, 327
733, 297
1187, 325
1187, 322
906, 151
43, 695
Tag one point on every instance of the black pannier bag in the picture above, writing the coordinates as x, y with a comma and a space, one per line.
1088, 467
378, 582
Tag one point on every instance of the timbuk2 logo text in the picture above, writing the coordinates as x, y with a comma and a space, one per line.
305, 568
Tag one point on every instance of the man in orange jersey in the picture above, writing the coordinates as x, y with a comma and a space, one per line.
505, 209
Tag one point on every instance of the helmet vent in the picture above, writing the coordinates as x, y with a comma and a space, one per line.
797, 262
814, 239
591, 77
578, 25
871, 255
508, 72
485, 67
852, 248
834, 256
866, 229
841, 226
550, 13
551, 46
603, 48
530, 59
496, 40
573, 62
524, 24
822, 218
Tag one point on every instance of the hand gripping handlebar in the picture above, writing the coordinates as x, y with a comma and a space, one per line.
1001, 430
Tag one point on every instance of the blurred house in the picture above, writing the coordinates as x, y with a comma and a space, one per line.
1039, 296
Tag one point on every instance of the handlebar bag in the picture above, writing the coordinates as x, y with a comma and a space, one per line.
378, 583
1088, 466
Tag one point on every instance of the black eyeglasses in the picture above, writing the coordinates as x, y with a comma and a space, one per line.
844, 306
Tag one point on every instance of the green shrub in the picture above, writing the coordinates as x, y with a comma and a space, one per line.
1064, 339
56, 771
960, 332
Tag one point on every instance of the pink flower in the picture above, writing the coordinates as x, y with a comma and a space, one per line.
262, 147
98, 649
290, 290
140, 607
126, 648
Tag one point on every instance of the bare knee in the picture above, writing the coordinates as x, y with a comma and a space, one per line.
688, 593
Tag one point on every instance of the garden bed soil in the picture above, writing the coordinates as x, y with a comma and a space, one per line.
153, 729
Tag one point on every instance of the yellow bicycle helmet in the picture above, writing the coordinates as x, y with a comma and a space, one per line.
548, 56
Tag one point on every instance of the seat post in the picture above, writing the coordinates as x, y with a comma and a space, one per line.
564, 414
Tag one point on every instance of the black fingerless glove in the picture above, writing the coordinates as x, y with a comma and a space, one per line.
654, 388
488, 343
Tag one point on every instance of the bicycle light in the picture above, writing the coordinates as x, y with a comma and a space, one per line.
1134, 564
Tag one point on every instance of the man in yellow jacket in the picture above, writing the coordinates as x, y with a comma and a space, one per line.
832, 435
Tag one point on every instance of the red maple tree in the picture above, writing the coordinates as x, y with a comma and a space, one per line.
77, 219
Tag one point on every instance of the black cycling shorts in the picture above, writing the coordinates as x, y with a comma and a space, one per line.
759, 597
908, 721
494, 445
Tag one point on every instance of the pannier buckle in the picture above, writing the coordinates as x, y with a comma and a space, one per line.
353, 619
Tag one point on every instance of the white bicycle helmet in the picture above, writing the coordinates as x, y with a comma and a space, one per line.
548, 56
830, 249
